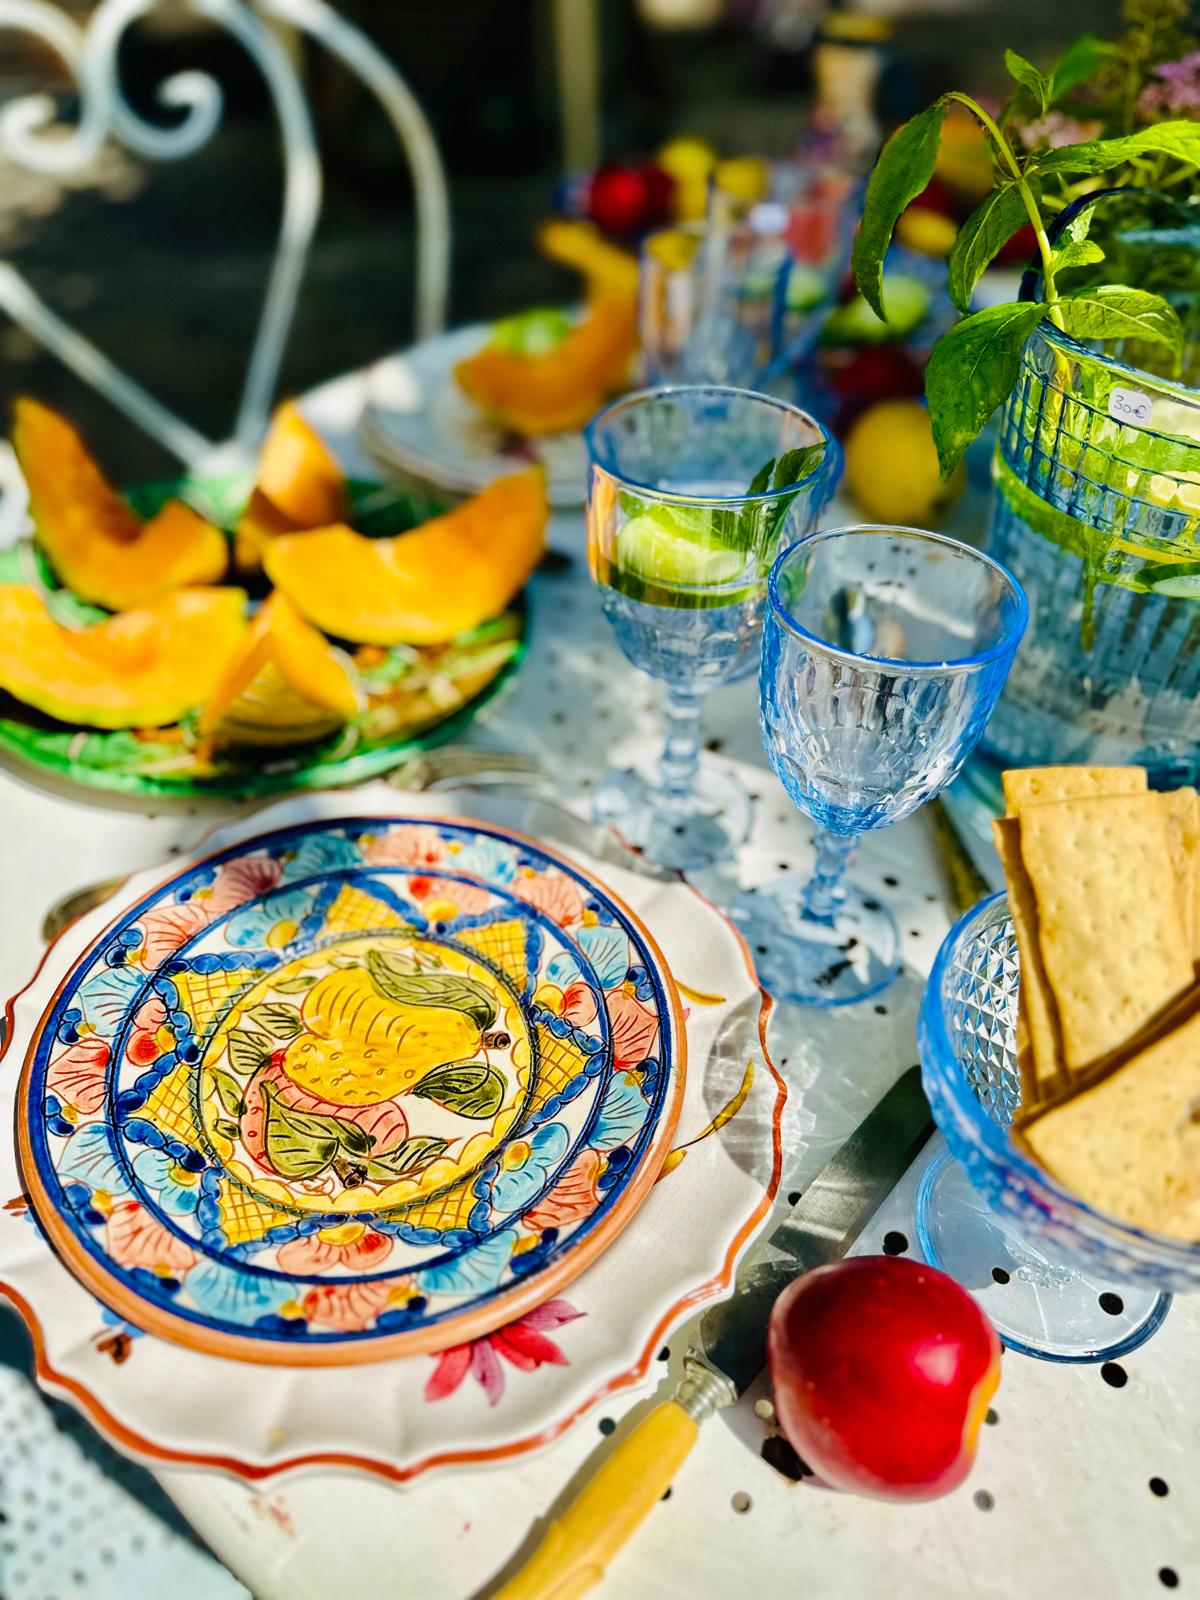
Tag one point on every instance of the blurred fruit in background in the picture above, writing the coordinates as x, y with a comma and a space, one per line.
930, 224
743, 179
690, 163
964, 164
859, 378
627, 200
892, 471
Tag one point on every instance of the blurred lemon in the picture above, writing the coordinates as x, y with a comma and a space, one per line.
744, 178
892, 468
689, 162
672, 248
926, 231
686, 159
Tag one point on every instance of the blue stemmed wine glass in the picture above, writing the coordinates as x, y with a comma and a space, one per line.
692, 493
884, 651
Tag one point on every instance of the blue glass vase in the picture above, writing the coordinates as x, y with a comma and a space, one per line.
1097, 513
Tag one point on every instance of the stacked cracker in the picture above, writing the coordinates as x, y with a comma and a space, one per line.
1104, 893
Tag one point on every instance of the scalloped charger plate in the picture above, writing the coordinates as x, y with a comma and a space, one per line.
350, 1087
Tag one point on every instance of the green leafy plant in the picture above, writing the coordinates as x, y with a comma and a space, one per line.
975, 365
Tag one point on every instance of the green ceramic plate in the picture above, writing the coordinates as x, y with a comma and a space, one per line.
416, 696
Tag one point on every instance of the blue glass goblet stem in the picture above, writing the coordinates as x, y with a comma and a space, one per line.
691, 495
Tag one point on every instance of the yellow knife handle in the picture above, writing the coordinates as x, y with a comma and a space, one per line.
578, 1546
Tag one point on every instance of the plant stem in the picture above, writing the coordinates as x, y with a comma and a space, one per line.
1032, 208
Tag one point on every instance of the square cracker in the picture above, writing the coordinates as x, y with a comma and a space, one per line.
1027, 786
1109, 923
1037, 1010
1129, 1145
1182, 809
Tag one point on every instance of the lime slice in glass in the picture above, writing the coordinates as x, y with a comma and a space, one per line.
674, 557
661, 563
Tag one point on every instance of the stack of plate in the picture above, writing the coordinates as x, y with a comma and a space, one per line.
350, 1086
418, 423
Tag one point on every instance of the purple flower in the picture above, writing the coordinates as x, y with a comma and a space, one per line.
1055, 130
1177, 92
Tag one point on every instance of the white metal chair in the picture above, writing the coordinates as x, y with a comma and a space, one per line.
90, 55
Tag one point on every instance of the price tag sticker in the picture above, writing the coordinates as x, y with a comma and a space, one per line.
1128, 405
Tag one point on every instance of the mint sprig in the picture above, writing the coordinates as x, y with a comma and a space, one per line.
975, 365
793, 466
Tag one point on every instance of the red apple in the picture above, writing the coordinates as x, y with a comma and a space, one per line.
882, 1369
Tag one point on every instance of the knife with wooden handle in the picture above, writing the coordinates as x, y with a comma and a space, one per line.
731, 1350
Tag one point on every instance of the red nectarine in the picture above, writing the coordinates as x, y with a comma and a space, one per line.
882, 1368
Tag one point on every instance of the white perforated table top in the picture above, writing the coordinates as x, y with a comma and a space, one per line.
1087, 1483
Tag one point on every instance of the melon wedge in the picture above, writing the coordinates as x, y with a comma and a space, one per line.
423, 587
98, 548
141, 669
285, 685
561, 389
299, 485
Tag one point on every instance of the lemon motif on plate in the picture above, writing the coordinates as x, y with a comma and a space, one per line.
373, 1070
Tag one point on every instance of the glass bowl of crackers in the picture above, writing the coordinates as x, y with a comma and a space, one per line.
1060, 1047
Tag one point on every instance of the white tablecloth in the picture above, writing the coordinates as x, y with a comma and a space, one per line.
1059, 1506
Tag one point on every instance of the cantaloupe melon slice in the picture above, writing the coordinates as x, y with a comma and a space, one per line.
299, 485
285, 685
423, 587
561, 389
97, 546
140, 669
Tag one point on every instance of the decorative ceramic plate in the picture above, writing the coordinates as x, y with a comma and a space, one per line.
173, 1208
419, 421
346, 1091
414, 695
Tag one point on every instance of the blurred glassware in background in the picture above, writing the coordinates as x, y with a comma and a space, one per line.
692, 493
884, 651
740, 297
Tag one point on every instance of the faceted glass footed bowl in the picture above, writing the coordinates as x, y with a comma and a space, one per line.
967, 1038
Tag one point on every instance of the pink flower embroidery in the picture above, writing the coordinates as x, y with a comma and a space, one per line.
76, 1075
167, 927
523, 1344
552, 893
314, 1255
134, 1238
574, 1195
239, 881
634, 1028
348, 1306
406, 847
